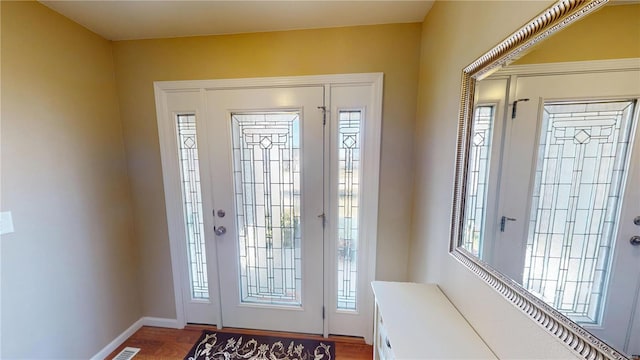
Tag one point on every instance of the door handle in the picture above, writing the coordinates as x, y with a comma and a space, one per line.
635, 240
220, 230
636, 220
503, 222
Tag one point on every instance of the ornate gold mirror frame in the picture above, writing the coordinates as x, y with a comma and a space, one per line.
550, 21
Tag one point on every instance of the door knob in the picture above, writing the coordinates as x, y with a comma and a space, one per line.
636, 220
220, 230
635, 240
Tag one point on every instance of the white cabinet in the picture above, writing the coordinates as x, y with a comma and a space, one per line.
417, 321
382, 344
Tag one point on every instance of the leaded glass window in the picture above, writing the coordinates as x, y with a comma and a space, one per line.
579, 175
266, 172
192, 205
478, 177
349, 142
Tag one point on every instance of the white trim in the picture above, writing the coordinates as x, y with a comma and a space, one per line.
172, 197
119, 340
569, 67
327, 262
161, 322
143, 321
172, 188
373, 190
313, 80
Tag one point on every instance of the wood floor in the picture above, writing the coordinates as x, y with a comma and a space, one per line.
162, 343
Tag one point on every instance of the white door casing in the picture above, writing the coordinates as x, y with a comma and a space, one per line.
369, 201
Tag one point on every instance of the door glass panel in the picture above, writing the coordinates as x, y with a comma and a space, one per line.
192, 205
478, 177
578, 183
266, 162
348, 206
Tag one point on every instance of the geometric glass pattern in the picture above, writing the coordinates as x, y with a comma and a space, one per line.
348, 206
266, 172
477, 180
192, 205
579, 177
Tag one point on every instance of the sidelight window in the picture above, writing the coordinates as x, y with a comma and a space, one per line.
478, 176
192, 204
349, 142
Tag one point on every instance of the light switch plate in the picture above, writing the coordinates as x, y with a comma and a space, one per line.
6, 222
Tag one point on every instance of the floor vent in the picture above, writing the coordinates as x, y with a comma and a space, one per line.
127, 353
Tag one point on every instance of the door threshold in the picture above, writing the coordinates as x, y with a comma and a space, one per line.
293, 335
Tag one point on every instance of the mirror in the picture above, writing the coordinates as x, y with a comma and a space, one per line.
547, 171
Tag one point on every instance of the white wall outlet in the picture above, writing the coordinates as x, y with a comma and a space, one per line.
6, 222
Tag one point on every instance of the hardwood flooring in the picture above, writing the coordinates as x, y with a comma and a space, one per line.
163, 343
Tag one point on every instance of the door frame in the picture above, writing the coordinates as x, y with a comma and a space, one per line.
172, 187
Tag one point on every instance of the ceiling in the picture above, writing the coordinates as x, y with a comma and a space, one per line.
127, 20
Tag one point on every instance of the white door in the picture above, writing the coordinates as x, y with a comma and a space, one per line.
271, 187
267, 172
572, 166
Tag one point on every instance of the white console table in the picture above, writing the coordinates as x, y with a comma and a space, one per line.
416, 321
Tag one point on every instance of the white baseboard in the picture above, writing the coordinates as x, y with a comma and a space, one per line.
118, 340
161, 322
143, 321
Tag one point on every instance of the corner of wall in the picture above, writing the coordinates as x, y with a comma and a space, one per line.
68, 266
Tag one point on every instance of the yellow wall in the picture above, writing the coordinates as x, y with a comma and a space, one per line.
391, 49
612, 32
69, 276
69, 272
454, 34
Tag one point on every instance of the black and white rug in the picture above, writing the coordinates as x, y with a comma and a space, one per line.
223, 346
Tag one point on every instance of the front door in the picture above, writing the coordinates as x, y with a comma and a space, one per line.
267, 183
570, 194
271, 188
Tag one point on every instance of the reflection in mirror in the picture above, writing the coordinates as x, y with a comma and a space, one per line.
482, 178
553, 172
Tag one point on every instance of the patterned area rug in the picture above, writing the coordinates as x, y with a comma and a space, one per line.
217, 345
